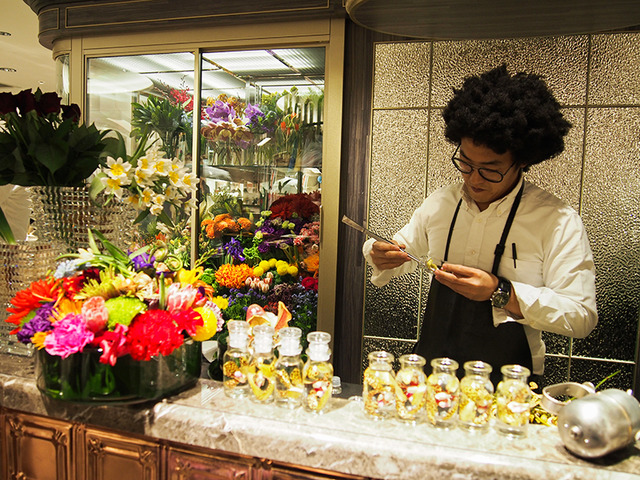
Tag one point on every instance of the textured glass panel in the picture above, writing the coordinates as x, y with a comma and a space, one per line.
441, 171
401, 77
395, 347
595, 371
554, 343
615, 69
393, 310
611, 214
561, 176
561, 60
398, 168
556, 370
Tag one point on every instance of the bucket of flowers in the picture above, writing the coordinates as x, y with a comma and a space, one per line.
113, 326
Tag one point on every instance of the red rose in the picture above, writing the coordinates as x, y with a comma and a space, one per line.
7, 103
48, 103
25, 101
71, 112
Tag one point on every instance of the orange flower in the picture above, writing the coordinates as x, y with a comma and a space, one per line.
39, 292
245, 223
233, 276
311, 263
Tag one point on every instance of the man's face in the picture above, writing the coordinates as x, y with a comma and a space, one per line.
482, 191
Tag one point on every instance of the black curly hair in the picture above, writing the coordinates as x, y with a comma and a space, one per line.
507, 113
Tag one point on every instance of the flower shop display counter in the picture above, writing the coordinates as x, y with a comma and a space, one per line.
200, 433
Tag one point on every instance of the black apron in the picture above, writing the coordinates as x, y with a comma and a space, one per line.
463, 329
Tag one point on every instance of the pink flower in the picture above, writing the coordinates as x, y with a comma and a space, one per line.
95, 314
180, 298
69, 335
113, 344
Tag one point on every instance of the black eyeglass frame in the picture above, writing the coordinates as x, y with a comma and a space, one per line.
456, 160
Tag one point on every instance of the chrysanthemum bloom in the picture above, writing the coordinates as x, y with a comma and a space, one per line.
69, 335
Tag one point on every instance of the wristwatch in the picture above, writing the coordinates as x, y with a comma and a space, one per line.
500, 297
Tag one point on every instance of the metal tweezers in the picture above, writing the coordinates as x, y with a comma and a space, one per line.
425, 264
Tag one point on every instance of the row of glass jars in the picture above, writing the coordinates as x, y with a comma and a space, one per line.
263, 378
444, 400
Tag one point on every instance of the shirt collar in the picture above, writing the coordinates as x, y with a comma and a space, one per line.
500, 206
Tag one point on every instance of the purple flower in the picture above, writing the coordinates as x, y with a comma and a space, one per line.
39, 323
234, 248
221, 112
142, 261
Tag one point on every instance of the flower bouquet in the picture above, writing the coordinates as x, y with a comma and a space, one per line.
42, 144
112, 326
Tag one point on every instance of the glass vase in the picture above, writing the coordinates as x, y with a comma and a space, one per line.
82, 378
20, 264
64, 215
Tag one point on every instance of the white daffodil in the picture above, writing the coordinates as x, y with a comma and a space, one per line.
162, 166
119, 169
175, 177
157, 204
113, 186
146, 197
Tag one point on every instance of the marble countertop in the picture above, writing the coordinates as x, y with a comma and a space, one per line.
342, 439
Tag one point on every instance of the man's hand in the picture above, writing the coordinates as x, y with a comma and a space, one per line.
473, 283
386, 255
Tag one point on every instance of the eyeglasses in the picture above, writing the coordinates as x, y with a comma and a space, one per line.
488, 174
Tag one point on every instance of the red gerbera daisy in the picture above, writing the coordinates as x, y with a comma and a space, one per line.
41, 291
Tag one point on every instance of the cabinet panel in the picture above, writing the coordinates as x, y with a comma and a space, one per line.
103, 455
36, 448
190, 465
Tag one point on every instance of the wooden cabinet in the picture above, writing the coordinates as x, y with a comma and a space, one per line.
35, 447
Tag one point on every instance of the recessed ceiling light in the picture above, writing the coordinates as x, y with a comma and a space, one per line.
6, 34
7, 69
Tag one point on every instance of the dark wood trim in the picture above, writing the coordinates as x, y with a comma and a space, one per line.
58, 19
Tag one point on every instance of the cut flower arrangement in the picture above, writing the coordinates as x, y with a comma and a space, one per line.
103, 314
265, 265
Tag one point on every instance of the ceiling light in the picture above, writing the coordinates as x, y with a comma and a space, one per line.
6, 34
7, 69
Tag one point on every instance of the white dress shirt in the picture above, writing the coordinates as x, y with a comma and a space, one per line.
553, 274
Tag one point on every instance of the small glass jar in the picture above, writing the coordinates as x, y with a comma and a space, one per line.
513, 400
412, 388
317, 374
476, 396
235, 361
443, 390
288, 369
261, 374
378, 389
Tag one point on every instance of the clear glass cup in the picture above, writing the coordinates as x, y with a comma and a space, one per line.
476, 396
443, 391
378, 387
412, 388
513, 400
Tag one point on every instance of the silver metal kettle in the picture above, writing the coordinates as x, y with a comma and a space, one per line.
594, 424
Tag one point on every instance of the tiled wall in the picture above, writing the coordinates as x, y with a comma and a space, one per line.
596, 79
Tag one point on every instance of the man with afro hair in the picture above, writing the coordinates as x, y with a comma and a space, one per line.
515, 260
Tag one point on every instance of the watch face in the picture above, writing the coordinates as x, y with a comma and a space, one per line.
499, 298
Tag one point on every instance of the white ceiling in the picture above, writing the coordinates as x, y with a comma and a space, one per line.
22, 51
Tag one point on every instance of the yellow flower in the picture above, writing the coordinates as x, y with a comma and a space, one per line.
282, 269
292, 270
210, 324
258, 271
38, 339
221, 302
189, 277
264, 265
272, 262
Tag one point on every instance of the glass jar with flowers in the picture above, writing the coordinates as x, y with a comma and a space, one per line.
112, 326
